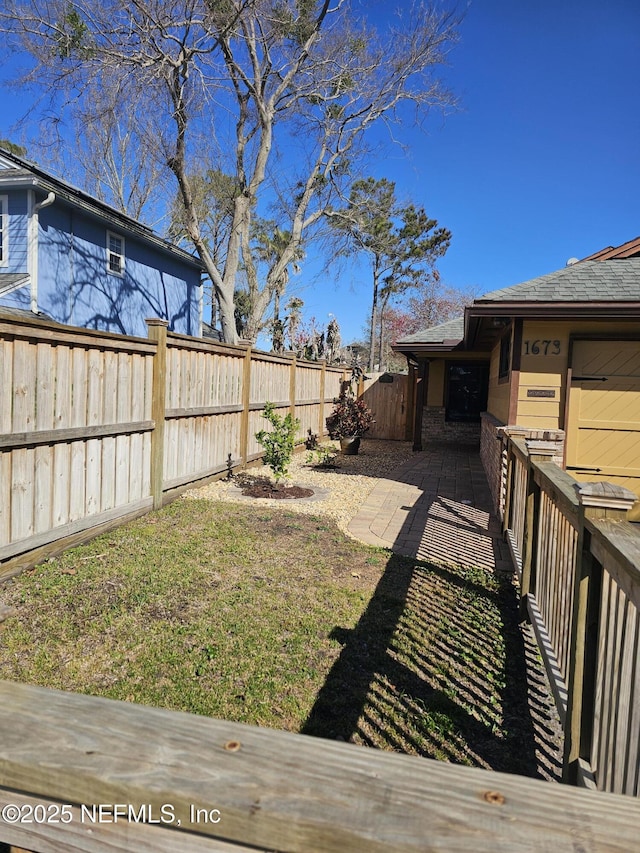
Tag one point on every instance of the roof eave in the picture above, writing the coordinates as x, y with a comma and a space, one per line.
94, 207
562, 310
19, 182
476, 315
416, 349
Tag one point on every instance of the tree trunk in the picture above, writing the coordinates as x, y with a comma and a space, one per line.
374, 313
227, 318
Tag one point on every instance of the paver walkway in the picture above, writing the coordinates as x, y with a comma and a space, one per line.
437, 507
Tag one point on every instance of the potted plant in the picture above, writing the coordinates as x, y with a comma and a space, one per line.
350, 419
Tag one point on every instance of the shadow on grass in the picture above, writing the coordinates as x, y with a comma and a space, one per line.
437, 667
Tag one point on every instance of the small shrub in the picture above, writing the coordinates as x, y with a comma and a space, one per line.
279, 443
322, 456
311, 441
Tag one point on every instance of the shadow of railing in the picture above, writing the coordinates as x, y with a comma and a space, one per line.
438, 664
436, 667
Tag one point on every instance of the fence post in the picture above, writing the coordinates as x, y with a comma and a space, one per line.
157, 331
323, 385
508, 492
532, 512
539, 451
246, 399
292, 385
422, 380
597, 500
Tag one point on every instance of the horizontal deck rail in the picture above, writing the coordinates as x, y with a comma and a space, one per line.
80, 773
579, 567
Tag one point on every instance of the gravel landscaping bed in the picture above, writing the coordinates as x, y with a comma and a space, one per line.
344, 488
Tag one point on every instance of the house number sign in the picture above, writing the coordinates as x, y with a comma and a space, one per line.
539, 347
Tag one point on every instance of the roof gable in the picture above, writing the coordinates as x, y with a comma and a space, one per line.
630, 249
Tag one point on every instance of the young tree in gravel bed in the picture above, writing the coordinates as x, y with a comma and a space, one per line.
280, 442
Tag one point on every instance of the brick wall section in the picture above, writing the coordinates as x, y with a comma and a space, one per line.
436, 428
493, 451
492, 455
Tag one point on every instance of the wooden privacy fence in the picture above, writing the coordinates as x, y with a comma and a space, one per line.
97, 428
80, 773
579, 567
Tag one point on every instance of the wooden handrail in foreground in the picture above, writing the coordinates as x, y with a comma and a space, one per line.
86, 757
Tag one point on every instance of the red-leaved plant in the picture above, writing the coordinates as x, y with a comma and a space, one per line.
350, 417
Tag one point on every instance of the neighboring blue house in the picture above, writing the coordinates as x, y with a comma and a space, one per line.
68, 256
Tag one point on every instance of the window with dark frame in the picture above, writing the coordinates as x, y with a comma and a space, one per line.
115, 253
467, 391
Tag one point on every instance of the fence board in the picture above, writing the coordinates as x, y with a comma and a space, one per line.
43, 488
61, 483
623, 689
63, 388
6, 383
5, 496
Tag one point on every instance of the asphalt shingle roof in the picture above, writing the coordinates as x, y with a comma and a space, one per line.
588, 281
453, 330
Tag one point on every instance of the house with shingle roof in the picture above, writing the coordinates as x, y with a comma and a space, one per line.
76, 260
556, 358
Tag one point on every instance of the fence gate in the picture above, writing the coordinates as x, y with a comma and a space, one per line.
386, 396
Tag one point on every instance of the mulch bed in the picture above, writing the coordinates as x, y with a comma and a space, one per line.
263, 487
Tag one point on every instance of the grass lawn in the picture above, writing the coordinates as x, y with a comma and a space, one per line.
277, 619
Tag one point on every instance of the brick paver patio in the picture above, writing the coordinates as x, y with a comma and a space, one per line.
436, 507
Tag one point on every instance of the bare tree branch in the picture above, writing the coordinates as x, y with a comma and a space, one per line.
297, 82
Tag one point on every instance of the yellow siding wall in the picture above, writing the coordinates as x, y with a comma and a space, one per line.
543, 368
498, 402
544, 364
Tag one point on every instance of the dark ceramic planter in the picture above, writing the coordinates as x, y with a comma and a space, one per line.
350, 446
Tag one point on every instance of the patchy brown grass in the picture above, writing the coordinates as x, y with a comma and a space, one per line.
265, 616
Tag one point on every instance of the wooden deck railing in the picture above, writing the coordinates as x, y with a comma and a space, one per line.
80, 773
579, 566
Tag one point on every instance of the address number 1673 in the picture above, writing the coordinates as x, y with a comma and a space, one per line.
542, 347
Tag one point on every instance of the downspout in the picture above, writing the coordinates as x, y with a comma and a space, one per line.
199, 333
33, 247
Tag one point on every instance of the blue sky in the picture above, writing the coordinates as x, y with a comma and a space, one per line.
540, 163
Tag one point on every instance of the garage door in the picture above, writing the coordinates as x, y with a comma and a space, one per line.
603, 425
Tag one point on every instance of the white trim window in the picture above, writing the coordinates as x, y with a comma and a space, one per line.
115, 253
4, 230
